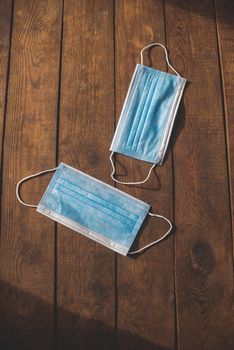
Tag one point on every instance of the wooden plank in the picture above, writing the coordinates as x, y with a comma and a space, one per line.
5, 28
224, 15
86, 270
27, 238
145, 284
203, 240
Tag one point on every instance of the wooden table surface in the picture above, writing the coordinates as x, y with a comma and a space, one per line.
65, 67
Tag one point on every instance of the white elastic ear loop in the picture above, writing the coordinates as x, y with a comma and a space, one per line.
128, 183
158, 240
27, 178
166, 55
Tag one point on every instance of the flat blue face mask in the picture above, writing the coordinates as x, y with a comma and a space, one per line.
93, 208
148, 115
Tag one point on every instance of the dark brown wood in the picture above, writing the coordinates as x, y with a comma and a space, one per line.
59, 101
225, 28
86, 270
145, 284
27, 238
203, 240
5, 31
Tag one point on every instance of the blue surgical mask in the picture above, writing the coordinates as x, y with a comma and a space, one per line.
148, 115
93, 208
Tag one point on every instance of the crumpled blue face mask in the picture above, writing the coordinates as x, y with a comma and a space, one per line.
93, 208
148, 115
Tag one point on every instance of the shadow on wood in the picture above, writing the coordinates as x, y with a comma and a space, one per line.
198, 9
81, 332
153, 184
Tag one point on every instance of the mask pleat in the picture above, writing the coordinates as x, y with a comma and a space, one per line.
149, 106
78, 200
135, 114
159, 118
147, 114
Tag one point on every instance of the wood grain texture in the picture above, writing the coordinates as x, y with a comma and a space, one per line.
145, 283
65, 67
5, 31
225, 28
27, 239
86, 270
203, 240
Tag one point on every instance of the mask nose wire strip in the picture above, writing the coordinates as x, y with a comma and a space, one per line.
158, 240
166, 55
128, 183
25, 179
